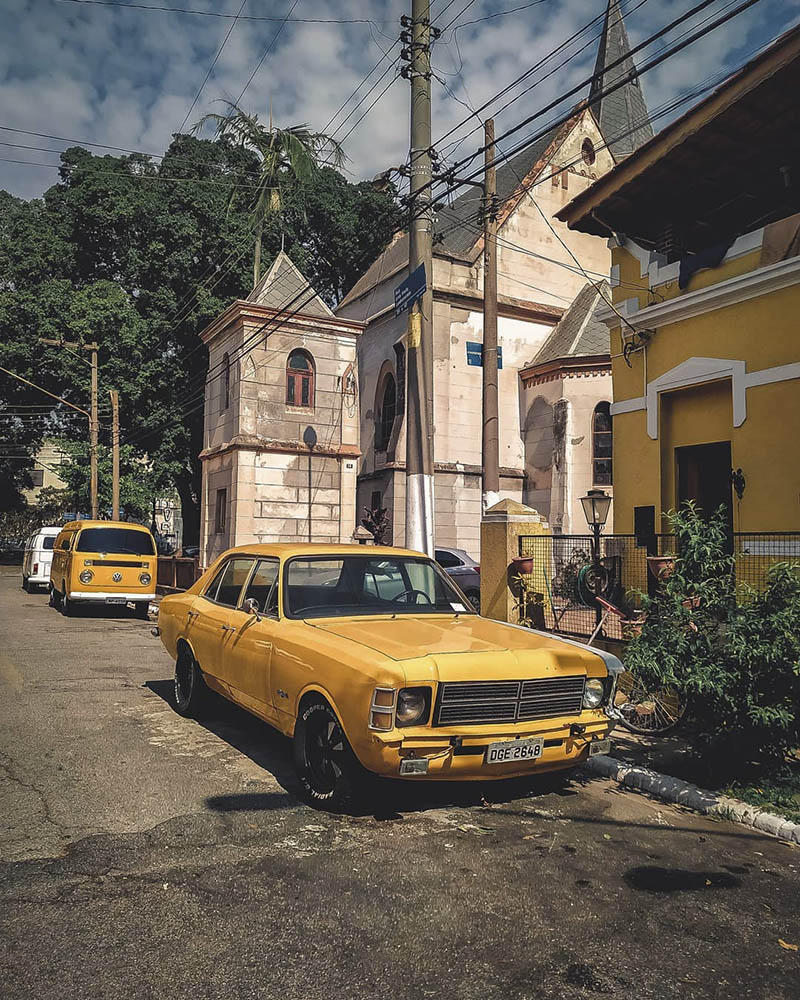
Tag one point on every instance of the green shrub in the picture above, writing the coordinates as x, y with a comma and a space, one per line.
735, 656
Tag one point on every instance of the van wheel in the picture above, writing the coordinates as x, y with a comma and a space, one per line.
68, 608
329, 772
26, 585
142, 610
189, 687
55, 598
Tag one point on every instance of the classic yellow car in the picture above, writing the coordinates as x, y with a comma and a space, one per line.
372, 660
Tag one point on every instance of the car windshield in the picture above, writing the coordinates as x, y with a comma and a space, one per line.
122, 540
320, 587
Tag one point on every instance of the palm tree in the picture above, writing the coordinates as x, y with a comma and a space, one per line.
286, 156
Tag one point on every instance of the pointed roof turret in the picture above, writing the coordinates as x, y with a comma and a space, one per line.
283, 287
622, 116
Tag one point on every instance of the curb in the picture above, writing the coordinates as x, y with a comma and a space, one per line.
682, 793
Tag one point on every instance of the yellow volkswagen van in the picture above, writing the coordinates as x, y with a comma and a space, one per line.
103, 562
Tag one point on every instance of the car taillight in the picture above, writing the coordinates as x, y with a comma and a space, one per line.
35, 568
477, 570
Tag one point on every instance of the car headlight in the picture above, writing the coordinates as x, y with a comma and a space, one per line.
86, 576
593, 693
412, 705
144, 579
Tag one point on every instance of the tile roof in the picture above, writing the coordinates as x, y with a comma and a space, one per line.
579, 333
622, 116
283, 287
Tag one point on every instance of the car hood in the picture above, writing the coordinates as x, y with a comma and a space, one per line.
411, 637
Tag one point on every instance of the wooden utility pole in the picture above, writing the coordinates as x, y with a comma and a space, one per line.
94, 432
419, 397
490, 436
93, 419
114, 453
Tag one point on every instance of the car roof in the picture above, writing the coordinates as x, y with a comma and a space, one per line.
285, 550
74, 525
48, 530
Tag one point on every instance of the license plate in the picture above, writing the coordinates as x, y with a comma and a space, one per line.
513, 750
116, 600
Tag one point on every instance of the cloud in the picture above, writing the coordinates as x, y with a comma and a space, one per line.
128, 77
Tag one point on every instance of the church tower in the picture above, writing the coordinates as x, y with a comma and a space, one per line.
622, 115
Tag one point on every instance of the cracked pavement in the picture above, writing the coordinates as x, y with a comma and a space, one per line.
145, 855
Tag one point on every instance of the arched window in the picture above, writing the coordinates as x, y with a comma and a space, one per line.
226, 379
300, 379
601, 445
387, 410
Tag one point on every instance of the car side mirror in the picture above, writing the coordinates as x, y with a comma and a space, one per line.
252, 608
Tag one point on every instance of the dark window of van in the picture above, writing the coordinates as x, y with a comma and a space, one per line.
126, 541
47, 542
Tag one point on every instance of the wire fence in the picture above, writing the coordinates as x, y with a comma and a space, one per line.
562, 577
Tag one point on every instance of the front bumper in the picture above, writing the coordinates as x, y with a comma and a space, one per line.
458, 755
103, 596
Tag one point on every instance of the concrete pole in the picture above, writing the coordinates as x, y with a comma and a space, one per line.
93, 435
490, 438
419, 397
114, 453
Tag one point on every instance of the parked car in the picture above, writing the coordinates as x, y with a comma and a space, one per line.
37, 558
464, 570
371, 662
103, 562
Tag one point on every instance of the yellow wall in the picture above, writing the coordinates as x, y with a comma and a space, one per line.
762, 332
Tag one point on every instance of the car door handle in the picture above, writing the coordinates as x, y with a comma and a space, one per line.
228, 628
192, 614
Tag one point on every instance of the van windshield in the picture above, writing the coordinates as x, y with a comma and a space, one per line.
127, 540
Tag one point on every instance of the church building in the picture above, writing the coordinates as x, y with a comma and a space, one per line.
555, 381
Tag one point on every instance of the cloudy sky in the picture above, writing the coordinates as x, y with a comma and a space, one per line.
128, 77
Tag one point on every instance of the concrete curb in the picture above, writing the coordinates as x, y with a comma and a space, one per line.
683, 793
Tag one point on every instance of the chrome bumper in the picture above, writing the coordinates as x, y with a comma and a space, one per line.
102, 596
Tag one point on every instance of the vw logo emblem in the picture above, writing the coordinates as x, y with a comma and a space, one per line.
117, 577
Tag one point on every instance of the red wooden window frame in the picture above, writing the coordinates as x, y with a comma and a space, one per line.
300, 380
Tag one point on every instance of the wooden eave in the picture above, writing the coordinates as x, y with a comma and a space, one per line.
588, 364
748, 124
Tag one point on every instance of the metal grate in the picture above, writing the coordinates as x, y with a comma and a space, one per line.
473, 702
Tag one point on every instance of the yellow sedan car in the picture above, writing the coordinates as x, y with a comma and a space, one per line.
373, 662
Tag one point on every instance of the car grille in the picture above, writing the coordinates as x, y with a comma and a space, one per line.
462, 703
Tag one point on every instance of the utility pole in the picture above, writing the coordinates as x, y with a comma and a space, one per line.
114, 453
419, 397
490, 437
93, 419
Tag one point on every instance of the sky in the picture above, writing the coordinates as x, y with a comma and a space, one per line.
129, 77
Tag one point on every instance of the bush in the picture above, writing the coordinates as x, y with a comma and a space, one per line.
732, 653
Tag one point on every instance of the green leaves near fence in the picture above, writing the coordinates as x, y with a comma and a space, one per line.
732, 651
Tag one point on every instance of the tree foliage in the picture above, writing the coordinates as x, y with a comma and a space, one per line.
141, 256
733, 653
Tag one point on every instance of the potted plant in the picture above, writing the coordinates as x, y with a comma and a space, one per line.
522, 564
662, 567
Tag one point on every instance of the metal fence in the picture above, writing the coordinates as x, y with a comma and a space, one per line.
176, 573
562, 577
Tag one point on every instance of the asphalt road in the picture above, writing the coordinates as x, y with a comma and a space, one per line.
144, 855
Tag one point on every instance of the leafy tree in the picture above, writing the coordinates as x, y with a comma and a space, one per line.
733, 655
141, 257
287, 158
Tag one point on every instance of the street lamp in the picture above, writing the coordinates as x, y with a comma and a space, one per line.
596, 505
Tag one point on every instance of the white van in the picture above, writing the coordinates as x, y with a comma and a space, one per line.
37, 558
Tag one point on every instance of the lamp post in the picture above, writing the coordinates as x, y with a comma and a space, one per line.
596, 505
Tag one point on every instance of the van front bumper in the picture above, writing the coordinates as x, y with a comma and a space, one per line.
105, 597
459, 756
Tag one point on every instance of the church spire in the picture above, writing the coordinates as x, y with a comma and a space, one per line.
622, 116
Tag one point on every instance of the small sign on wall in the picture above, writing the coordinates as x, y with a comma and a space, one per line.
475, 355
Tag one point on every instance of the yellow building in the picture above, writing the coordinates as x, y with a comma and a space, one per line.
705, 338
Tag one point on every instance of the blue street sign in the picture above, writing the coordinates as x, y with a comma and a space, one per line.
413, 288
475, 355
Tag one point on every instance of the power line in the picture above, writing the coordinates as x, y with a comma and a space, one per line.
213, 64
266, 51
222, 14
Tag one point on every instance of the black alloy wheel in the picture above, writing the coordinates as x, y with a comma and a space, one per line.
189, 686
474, 598
329, 772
